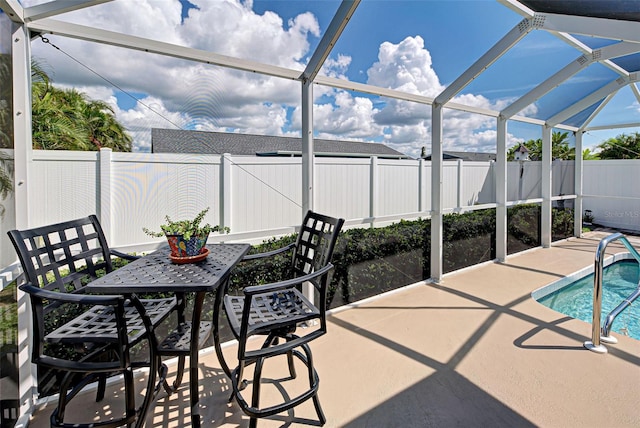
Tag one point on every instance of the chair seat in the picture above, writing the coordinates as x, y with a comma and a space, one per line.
97, 324
270, 311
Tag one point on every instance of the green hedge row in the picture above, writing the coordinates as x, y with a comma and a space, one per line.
372, 261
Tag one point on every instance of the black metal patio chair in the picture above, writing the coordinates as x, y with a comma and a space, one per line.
276, 310
84, 337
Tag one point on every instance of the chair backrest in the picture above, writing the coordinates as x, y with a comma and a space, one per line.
63, 257
315, 242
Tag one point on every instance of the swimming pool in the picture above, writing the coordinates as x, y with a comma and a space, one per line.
573, 296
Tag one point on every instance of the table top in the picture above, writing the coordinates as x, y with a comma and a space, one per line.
156, 272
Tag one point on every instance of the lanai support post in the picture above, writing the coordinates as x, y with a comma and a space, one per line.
501, 190
23, 154
578, 170
545, 221
307, 147
307, 162
436, 193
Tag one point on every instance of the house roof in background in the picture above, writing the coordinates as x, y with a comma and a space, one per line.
202, 142
467, 156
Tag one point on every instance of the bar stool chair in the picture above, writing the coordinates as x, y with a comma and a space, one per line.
276, 310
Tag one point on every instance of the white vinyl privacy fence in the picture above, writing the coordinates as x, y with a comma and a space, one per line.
258, 197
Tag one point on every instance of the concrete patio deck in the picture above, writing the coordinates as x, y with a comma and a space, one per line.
475, 350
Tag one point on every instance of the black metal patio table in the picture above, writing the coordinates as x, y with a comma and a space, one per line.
157, 273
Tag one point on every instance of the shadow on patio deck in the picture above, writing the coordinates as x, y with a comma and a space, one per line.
476, 350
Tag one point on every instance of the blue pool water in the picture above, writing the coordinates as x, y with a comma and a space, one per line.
619, 280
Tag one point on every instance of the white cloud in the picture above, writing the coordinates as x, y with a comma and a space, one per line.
349, 117
406, 67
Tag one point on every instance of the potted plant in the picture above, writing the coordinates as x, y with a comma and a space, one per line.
186, 238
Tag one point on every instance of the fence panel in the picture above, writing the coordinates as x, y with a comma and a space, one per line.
265, 192
398, 187
612, 192
346, 187
478, 183
63, 186
146, 187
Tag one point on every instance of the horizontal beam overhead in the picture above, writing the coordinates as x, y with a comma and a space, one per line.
391, 93
112, 38
489, 57
613, 126
57, 7
330, 37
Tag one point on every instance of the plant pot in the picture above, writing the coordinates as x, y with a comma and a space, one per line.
181, 247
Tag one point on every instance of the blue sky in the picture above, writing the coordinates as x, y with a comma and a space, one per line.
419, 46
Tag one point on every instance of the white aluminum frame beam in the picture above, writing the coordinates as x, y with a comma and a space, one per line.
612, 126
392, 93
598, 109
112, 38
615, 29
580, 63
13, 10
590, 99
57, 7
500, 48
330, 37
519, 8
636, 92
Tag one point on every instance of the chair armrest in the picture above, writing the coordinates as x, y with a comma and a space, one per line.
122, 255
83, 299
269, 253
282, 285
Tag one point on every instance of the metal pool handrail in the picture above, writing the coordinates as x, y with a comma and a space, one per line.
594, 344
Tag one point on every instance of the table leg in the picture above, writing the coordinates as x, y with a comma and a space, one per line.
193, 360
218, 311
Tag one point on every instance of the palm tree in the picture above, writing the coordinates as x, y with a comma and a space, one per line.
587, 154
559, 148
621, 147
6, 178
6, 125
69, 120
6, 129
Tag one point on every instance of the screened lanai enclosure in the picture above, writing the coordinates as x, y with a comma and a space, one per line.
399, 73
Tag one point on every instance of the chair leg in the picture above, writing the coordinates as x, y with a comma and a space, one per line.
151, 391
62, 398
129, 394
179, 375
102, 387
292, 368
255, 397
313, 380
